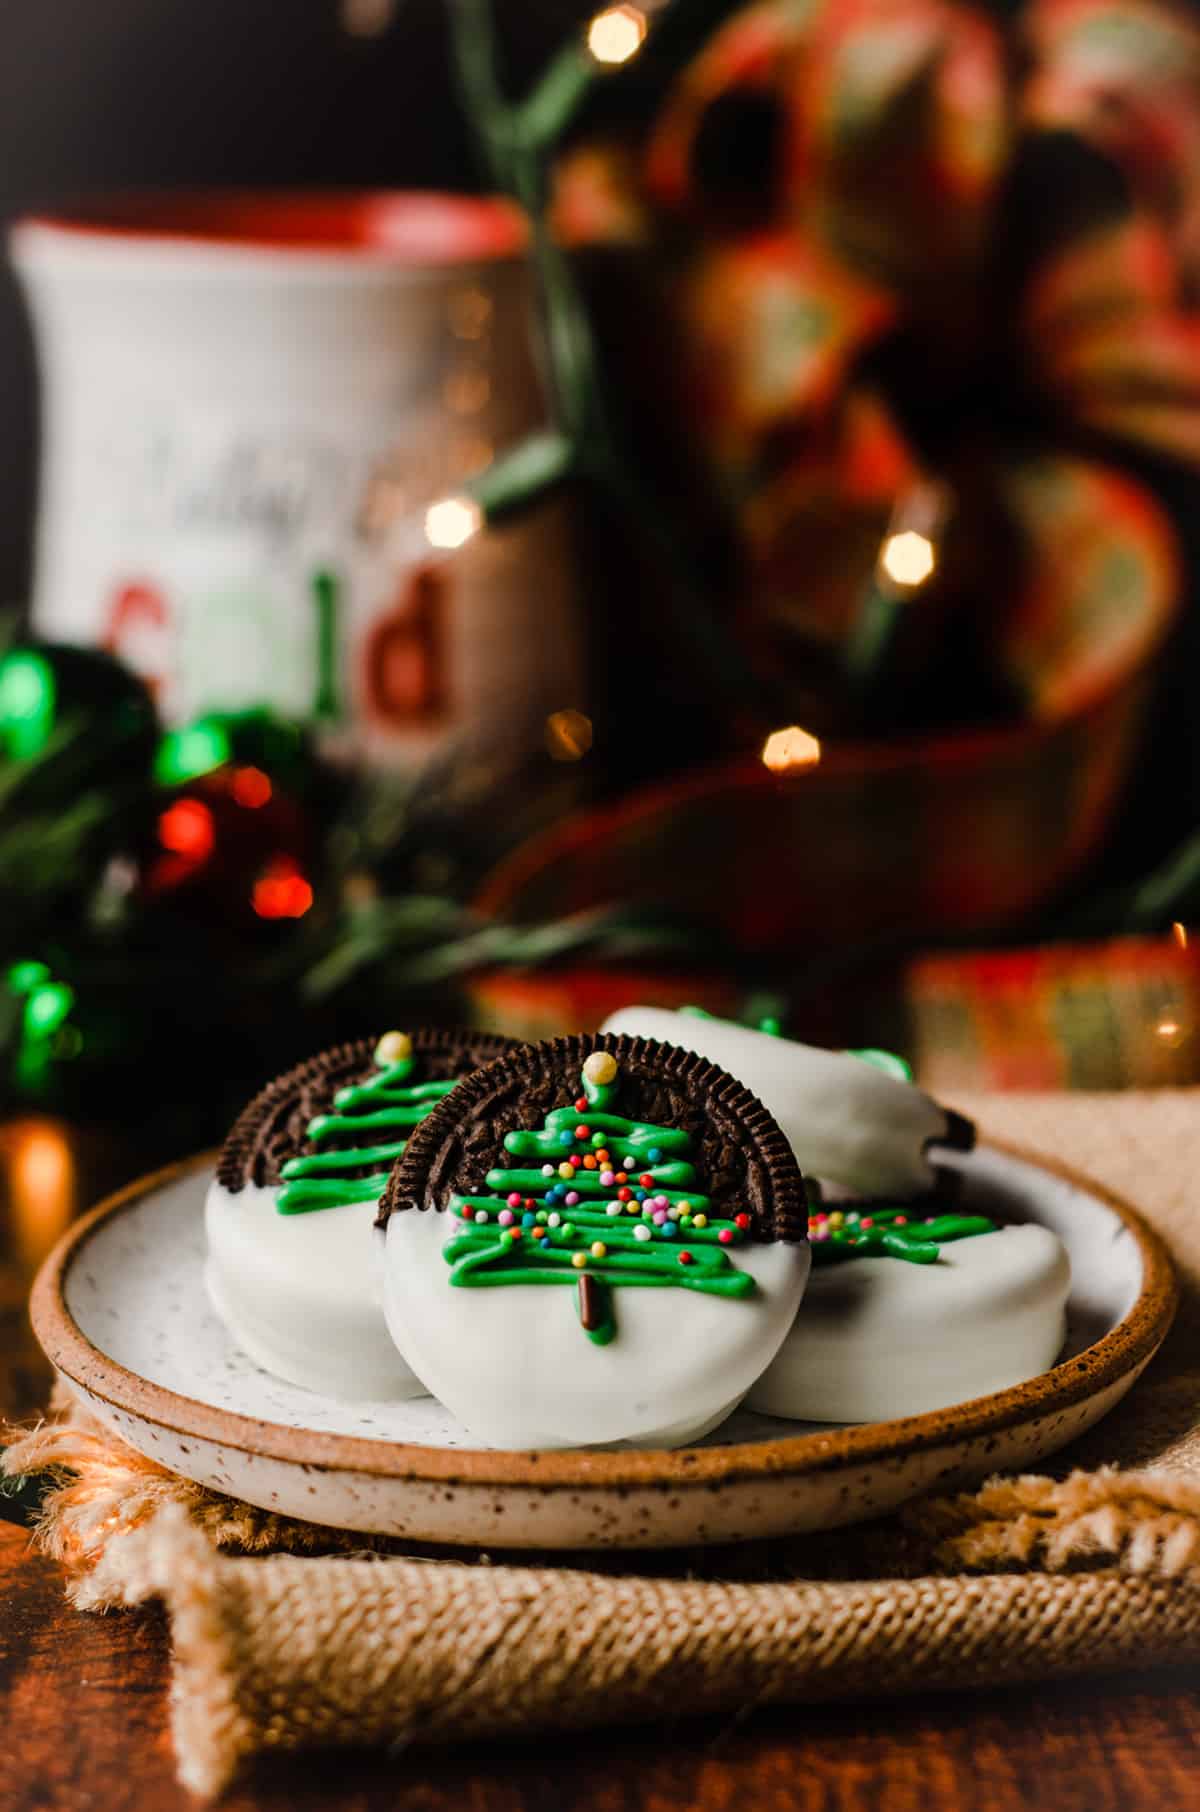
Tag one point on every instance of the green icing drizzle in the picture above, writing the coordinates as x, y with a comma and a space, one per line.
547, 1237
768, 1023
890, 1062
889, 1233
386, 1103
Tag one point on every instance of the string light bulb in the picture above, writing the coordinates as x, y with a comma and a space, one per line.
281, 891
251, 788
908, 558
47, 1007
452, 522
568, 735
196, 749
786, 750
616, 35
367, 18
187, 829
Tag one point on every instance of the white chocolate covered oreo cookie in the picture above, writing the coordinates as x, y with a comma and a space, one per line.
594, 1242
292, 1266
880, 1337
846, 1119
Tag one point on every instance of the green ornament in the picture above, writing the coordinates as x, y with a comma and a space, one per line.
246, 738
53, 697
28, 696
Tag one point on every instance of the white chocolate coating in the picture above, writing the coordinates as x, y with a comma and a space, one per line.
513, 1364
299, 1293
878, 1338
844, 1118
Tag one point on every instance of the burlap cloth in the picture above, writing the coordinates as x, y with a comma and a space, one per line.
286, 1635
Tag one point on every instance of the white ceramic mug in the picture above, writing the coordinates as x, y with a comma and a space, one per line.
248, 402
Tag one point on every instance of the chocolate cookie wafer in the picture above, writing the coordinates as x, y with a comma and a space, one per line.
336, 1091
652, 1188
288, 1217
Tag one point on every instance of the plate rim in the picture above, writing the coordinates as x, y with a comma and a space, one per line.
1125, 1348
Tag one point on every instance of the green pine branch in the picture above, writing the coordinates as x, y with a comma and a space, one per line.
518, 141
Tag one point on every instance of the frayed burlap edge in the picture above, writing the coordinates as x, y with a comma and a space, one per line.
282, 1652
170, 1558
102, 1488
1141, 1523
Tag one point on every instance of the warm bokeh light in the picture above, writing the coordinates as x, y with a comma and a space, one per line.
251, 788
616, 34
367, 18
785, 750
281, 892
452, 521
908, 558
568, 735
187, 828
41, 1179
467, 391
469, 312
1170, 1032
1179, 933
471, 453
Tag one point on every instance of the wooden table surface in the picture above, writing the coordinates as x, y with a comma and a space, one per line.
83, 1718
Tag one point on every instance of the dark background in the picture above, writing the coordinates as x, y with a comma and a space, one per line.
115, 94
102, 95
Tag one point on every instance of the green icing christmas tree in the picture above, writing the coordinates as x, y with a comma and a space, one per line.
839, 1234
602, 1202
373, 1114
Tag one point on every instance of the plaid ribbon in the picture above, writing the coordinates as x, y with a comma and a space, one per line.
897, 201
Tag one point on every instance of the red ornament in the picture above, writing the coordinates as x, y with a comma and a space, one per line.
232, 849
685, 1258
624, 1195
251, 788
281, 891
581, 1104
725, 1236
742, 1221
646, 1180
187, 828
583, 1132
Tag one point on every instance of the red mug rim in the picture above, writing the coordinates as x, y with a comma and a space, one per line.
403, 227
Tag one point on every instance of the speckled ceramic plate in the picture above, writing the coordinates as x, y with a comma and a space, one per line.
121, 1311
